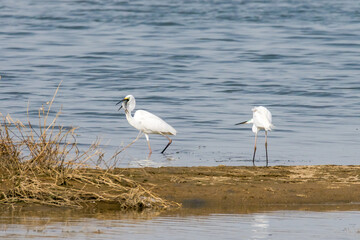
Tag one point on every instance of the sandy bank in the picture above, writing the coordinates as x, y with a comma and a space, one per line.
226, 187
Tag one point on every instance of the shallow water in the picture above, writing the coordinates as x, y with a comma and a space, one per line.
201, 66
263, 225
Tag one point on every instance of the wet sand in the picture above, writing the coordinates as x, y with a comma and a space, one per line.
228, 189
241, 189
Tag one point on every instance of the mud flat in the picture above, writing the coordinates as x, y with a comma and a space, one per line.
203, 190
240, 189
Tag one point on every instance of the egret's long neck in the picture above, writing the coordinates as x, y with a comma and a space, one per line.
130, 118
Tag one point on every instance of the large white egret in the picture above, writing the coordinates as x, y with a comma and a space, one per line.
145, 122
262, 119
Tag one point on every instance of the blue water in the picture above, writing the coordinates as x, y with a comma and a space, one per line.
200, 65
268, 225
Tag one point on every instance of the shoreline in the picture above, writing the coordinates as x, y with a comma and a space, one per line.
241, 189
233, 189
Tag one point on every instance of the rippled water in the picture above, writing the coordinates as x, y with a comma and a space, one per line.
200, 65
274, 225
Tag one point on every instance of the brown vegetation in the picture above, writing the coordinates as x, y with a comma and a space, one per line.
43, 165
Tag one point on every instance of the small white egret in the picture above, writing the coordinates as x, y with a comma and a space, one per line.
145, 122
262, 119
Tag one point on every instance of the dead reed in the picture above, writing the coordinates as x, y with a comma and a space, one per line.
43, 165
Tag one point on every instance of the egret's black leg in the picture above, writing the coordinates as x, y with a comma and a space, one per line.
254, 149
267, 159
170, 141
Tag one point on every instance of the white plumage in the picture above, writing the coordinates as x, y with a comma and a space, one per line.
152, 124
146, 122
262, 120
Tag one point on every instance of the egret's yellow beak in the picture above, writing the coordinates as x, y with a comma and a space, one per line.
125, 99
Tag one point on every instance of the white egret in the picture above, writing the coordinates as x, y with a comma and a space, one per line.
145, 122
262, 119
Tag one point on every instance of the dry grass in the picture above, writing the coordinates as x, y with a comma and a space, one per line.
43, 165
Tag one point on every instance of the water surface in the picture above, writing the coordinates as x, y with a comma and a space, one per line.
264, 225
200, 65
